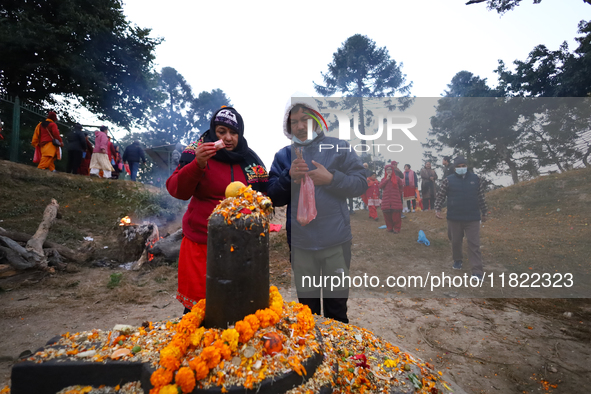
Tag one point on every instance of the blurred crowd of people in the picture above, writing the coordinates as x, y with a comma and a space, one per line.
400, 192
100, 158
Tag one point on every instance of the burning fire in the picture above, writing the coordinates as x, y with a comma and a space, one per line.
149, 244
126, 221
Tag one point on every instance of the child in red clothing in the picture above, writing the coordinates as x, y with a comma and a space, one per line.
373, 196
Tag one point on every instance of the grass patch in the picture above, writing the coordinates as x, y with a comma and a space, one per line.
115, 280
87, 206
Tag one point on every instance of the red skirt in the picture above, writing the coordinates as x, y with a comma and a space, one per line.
409, 191
192, 271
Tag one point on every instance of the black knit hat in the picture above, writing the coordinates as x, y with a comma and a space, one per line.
460, 160
228, 117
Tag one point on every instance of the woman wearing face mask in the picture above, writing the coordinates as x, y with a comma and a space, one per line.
203, 173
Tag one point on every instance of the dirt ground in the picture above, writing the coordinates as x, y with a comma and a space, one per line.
484, 345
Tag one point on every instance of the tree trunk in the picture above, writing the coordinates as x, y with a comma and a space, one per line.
168, 247
63, 250
361, 112
16, 255
553, 154
508, 158
586, 157
35, 244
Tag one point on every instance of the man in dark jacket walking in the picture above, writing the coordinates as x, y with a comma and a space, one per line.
466, 207
76, 147
448, 168
132, 155
321, 247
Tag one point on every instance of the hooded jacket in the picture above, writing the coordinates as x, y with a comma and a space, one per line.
331, 227
206, 187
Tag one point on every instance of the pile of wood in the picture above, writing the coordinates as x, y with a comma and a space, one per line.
140, 243
38, 253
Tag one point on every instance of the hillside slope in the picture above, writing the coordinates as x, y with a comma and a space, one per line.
89, 207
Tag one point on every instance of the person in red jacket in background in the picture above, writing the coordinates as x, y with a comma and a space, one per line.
392, 200
202, 175
43, 138
373, 196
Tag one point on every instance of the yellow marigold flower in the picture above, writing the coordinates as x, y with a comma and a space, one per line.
170, 351
230, 336
211, 356
169, 389
390, 363
199, 308
278, 309
273, 289
195, 338
185, 379
253, 321
170, 363
161, 377
200, 368
245, 331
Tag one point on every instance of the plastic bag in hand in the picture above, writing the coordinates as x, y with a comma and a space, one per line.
307, 202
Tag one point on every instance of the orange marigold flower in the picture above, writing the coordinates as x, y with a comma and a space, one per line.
189, 323
199, 308
253, 321
226, 352
185, 379
211, 356
208, 338
170, 363
170, 351
169, 389
181, 342
267, 317
200, 368
278, 309
245, 331
230, 336
161, 377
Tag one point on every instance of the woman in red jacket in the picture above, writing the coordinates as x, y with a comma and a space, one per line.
202, 175
392, 200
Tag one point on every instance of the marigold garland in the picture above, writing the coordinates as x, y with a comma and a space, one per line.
200, 368
161, 377
230, 336
253, 322
185, 379
245, 330
169, 389
216, 347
